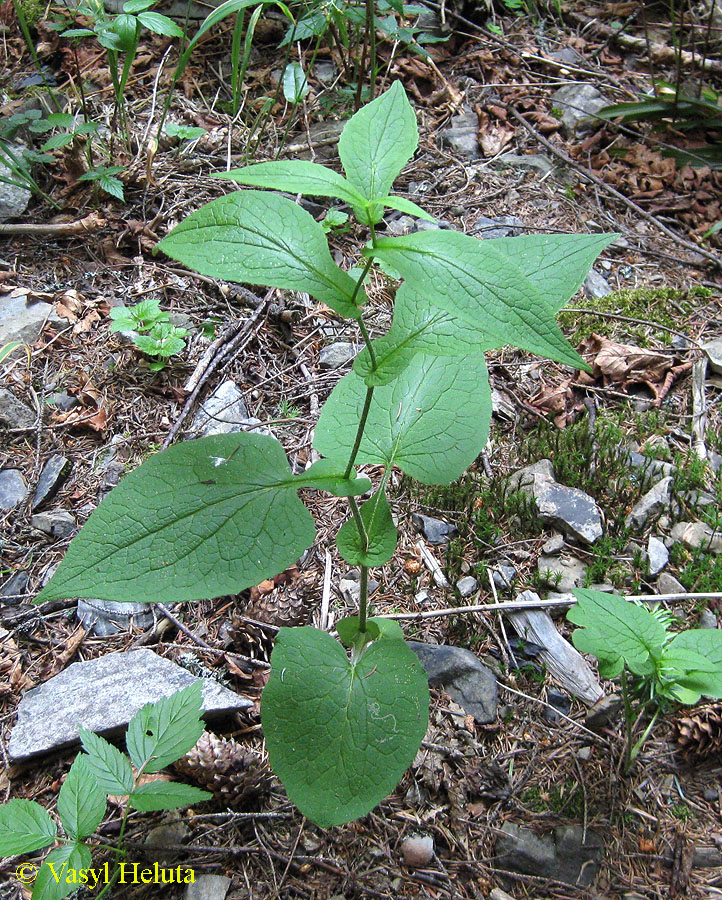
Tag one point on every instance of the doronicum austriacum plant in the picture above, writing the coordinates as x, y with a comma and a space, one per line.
208, 517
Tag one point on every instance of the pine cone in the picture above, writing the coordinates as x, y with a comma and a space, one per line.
251, 640
237, 775
279, 608
699, 735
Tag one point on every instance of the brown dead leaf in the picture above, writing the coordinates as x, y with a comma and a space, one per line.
87, 322
494, 139
624, 363
82, 418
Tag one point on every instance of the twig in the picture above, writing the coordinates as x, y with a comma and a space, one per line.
432, 564
60, 229
699, 407
181, 627
557, 712
323, 620
608, 189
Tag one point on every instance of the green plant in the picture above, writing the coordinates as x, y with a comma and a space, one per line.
158, 734
152, 331
216, 515
656, 666
11, 347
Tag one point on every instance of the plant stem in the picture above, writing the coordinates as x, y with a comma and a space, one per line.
363, 599
360, 431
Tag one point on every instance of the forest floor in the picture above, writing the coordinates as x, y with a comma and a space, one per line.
531, 767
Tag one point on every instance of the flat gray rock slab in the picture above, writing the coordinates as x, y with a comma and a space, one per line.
21, 320
462, 137
54, 473
563, 573
460, 673
208, 887
13, 490
103, 695
713, 349
569, 855
578, 102
571, 510
13, 413
336, 355
14, 198
225, 412
657, 555
653, 503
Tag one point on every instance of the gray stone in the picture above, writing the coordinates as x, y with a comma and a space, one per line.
604, 712
106, 617
529, 477
578, 102
168, 834
503, 576
208, 887
22, 320
657, 555
462, 137
54, 473
563, 573
402, 225
14, 587
467, 585
469, 683
647, 463
569, 855
707, 857
336, 355
13, 413
325, 72
697, 534
653, 503
62, 400
554, 545
14, 198
13, 490
596, 286
58, 523
713, 349
571, 510
434, 530
711, 795
350, 587
567, 55
103, 695
715, 461
324, 139
490, 227
534, 161
668, 584
225, 412
707, 619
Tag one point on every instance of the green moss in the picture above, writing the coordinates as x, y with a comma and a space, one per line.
560, 799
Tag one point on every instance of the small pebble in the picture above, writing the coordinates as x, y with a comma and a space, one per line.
417, 850
711, 795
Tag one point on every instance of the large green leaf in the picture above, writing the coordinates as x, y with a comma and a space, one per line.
697, 656
202, 519
59, 874
297, 176
340, 735
24, 827
432, 422
508, 297
378, 141
254, 237
380, 533
110, 767
81, 803
613, 628
328, 475
164, 731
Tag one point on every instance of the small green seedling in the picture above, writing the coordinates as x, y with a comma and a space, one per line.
216, 515
152, 331
657, 667
158, 734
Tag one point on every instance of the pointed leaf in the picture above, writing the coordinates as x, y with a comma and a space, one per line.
296, 176
160, 24
613, 627
165, 730
110, 767
166, 795
378, 141
432, 422
380, 531
295, 83
201, 519
407, 206
24, 827
57, 877
340, 735
328, 475
81, 803
697, 655
254, 237
488, 288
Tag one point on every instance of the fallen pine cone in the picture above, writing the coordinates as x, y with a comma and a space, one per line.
699, 735
238, 776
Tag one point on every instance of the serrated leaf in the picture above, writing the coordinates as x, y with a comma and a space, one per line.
481, 283
259, 238
295, 83
432, 422
160, 24
136, 6
407, 206
296, 176
166, 795
697, 656
24, 827
184, 132
111, 768
378, 141
340, 735
381, 535
112, 186
57, 877
200, 519
57, 141
613, 628
81, 803
328, 475
164, 731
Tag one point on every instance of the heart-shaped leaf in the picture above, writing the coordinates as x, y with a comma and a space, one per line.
696, 655
341, 734
432, 422
380, 543
202, 519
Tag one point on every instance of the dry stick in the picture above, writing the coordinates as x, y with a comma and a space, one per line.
184, 628
597, 737
60, 229
243, 336
699, 407
608, 189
